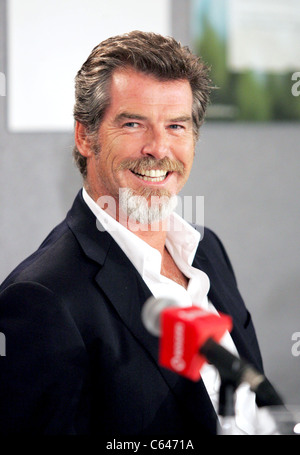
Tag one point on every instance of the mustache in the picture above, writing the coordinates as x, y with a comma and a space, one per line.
148, 162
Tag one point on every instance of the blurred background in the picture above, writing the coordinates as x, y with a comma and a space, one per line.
248, 157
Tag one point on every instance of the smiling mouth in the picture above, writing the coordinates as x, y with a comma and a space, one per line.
151, 175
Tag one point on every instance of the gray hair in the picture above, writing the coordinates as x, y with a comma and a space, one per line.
161, 57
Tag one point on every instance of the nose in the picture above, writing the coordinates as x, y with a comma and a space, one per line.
156, 143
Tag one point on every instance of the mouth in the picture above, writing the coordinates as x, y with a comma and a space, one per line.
151, 175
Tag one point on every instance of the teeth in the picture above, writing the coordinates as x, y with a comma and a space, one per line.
151, 179
154, 173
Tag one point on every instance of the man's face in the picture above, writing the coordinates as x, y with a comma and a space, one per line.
145, 140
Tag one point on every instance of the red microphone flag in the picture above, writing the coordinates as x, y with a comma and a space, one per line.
183, 332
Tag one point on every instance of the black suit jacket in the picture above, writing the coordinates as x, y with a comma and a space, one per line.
78, 358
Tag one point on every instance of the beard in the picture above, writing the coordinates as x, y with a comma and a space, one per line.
147, 210
148, 205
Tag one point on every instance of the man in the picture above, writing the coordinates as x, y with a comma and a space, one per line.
79, 360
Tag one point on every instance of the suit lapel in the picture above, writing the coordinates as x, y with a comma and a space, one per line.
127, 292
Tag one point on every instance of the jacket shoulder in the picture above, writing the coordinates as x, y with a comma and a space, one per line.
47, 254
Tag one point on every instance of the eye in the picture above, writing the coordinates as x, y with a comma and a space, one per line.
175, 126
131, 125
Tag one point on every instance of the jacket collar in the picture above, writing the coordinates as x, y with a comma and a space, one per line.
94, 240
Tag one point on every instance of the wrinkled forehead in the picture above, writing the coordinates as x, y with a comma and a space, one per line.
130, 87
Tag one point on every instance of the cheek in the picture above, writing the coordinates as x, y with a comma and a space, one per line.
124, 147
187, 155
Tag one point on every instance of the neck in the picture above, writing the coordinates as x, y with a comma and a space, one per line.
156, 239
154, 234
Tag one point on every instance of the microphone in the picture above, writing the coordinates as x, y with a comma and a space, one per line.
190, 336
182, 332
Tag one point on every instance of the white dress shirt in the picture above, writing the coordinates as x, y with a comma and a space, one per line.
182, 245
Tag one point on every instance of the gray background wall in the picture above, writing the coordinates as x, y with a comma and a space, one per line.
249, 176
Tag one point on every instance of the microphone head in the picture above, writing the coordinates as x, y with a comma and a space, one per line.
151, 313
182, 332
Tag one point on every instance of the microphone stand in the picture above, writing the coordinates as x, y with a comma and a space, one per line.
233, 371
227, 399
227, 405
230, 380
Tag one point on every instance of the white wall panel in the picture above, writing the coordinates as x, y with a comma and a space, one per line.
48, 42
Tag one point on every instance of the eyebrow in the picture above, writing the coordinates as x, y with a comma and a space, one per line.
181, 118
129, 115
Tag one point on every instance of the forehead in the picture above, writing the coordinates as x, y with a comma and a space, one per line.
130, 87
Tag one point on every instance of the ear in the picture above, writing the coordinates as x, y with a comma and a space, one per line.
82, 140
